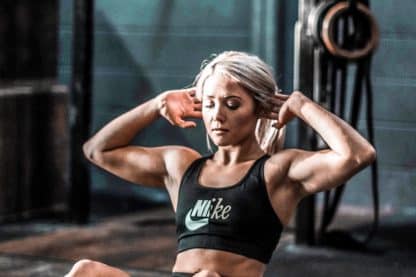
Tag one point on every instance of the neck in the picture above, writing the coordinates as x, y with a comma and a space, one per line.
240, 153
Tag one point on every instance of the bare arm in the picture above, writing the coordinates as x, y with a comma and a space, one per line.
348, 151
109, 148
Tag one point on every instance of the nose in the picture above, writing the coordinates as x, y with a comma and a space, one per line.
218, 113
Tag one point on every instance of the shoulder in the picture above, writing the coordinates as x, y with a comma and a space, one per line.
282, 161
177, 160
276, 170
277, 173
278, 164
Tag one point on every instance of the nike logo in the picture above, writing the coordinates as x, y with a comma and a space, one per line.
206, 210
192, 224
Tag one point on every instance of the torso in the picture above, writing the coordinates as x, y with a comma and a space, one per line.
281, 193
222, 262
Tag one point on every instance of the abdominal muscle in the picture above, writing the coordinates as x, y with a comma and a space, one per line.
225, 264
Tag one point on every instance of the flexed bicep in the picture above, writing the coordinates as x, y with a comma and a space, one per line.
320, 170
150, 166
139, 165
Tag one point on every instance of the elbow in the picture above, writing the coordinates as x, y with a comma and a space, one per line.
372, 155
368, 156
86, 149
365, 157
90, 152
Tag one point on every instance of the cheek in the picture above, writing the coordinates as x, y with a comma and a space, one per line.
243, 119
246, 120
248, 114
205, 116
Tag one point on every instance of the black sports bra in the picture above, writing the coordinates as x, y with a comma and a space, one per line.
238, 218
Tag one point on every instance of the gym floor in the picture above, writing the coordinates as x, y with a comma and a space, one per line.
143, 244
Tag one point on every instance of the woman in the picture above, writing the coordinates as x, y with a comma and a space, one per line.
230, 206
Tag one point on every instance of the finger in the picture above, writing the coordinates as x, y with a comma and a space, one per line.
281, 96
276, 124
184, 124
274, 115
189, 97
277, 101
283, 116
275, 109
272, 102
195, 114
188, 124
191, 91
271, 115
271, 108
171, 121
198, 107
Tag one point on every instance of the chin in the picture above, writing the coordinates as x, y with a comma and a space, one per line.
219, 143
223, 141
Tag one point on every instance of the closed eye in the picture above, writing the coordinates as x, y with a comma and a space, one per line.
233, 105
208, 104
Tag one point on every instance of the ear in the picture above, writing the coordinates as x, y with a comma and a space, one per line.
258, 109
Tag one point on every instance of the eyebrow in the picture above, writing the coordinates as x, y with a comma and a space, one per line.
226, 96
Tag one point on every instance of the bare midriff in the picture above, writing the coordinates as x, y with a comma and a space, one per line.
226, 264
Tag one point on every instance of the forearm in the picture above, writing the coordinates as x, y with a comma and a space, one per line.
121, 131
339, 135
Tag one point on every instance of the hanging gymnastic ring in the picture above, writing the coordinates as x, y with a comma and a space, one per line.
328, 26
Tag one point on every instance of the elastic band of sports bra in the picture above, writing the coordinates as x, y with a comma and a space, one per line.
182, 274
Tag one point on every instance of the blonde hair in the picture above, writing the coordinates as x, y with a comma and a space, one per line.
256, 77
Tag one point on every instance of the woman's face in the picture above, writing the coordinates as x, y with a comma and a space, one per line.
228, 111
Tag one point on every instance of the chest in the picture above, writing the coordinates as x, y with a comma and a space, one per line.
241, 209
230, 209
215, 176
229, 195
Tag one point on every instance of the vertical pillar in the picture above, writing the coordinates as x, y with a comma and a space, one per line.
80, 98
303, 81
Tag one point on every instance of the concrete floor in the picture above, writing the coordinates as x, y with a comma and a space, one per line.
144, 244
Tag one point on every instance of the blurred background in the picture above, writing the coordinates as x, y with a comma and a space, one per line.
68, 67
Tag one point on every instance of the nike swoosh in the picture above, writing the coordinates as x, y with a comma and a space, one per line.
193, 225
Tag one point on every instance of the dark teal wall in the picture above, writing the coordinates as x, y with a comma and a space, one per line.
145, 47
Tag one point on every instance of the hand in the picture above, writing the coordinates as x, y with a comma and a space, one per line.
281, 107
272, 107
176, 105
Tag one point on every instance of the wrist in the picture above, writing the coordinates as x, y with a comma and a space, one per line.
297, 101
159, 103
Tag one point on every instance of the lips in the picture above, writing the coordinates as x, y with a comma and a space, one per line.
219, 130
